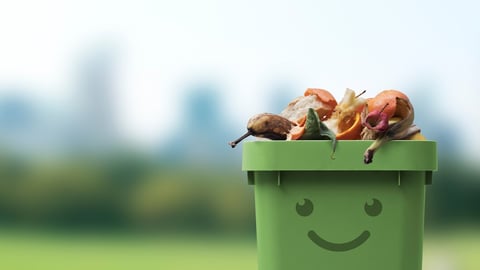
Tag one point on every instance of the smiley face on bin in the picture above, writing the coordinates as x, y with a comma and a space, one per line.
372, 208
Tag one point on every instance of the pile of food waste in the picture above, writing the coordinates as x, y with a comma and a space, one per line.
318, 116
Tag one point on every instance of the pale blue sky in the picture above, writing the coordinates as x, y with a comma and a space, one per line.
248, 47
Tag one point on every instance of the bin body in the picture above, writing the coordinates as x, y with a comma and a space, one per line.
315, 212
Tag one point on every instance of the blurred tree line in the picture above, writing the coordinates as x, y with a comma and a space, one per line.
133, 191
122, 191
454, 197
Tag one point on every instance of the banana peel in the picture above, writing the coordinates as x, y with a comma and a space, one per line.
266, 125
400, 128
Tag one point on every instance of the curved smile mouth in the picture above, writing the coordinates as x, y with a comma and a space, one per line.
338, 246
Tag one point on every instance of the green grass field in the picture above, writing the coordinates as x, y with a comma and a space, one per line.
55, 251
34, 250
455, 249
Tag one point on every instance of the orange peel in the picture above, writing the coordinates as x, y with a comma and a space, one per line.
353, 129
383, 98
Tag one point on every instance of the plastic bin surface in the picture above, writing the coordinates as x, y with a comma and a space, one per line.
318, 212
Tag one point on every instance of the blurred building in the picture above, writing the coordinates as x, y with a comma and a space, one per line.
85, 125
203, 131
93, 117
18, 122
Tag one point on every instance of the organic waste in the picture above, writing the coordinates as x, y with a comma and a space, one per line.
318, 99
317, 116
267, 125
345, 118
315, 129
379, 128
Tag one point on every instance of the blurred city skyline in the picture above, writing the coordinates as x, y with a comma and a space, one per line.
203, 124
157, 52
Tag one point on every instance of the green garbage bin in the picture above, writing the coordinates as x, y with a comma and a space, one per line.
318, 212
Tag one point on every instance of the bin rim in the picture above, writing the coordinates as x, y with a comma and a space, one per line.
315, 155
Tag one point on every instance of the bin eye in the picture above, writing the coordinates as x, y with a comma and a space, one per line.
373, 209
305, 209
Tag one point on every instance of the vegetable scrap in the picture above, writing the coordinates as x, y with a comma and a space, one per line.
317, 116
